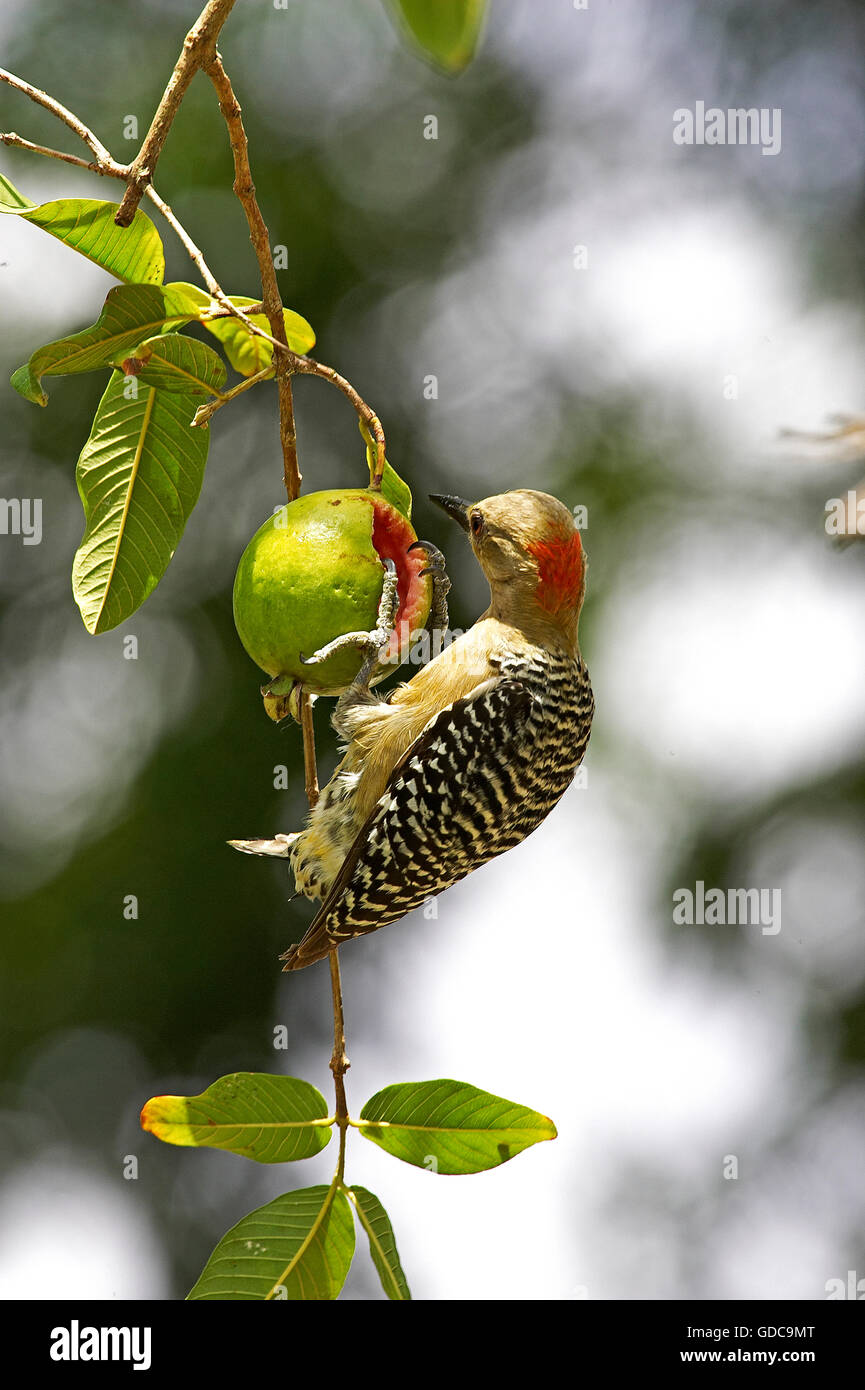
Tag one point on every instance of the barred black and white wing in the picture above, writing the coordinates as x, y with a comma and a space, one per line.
464, 792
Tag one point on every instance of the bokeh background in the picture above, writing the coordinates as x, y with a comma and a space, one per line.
721, 301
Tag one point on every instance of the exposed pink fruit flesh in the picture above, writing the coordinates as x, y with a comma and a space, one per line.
391, 537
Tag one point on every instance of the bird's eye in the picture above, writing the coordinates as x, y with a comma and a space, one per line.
476, 522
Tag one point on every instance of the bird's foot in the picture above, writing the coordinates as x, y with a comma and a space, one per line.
435, 566
371, 644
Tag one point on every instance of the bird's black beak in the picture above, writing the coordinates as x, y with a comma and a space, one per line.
456, 507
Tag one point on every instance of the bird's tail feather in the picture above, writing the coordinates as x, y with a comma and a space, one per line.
279, 847
315, 945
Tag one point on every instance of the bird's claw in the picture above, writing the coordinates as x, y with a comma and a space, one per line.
435, 566
369, 644
435, 559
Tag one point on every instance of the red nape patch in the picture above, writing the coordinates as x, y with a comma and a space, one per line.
560, 572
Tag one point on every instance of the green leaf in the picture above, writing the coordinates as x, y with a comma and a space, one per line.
393, 488
382, 1244
130, 314
397, 492
298, 1247
273, 1119
133, 254
139, 476
248, 353
174, 362
445, 31
10, 199
449, 1126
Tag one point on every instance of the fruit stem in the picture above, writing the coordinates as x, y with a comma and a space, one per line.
339, 1063
370, 424
308, 731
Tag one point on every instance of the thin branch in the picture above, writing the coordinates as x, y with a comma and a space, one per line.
339, 1063
95, 166
108, 167
58, 109
198, 47
232, 311
195, 255
260, 238
204, 413
309, 765
288, 362
308, 366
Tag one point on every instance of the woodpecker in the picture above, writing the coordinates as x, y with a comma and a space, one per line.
463, 761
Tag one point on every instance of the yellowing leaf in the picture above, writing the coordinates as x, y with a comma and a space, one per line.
272, 1119
247, 352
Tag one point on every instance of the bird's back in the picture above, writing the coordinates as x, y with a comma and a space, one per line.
480, 778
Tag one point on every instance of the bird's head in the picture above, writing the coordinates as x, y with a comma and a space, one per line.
528, 546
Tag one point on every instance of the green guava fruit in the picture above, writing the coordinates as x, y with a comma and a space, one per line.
314, 571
